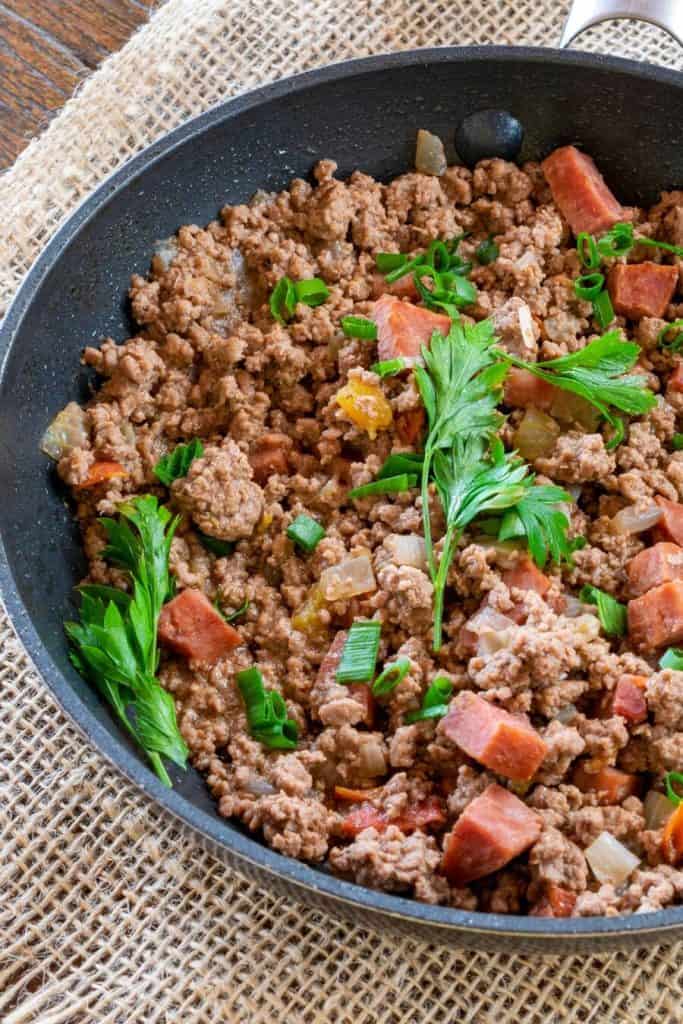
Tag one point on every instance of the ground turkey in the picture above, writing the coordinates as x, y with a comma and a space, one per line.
219, 494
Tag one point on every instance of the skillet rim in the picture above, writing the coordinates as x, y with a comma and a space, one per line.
569, 934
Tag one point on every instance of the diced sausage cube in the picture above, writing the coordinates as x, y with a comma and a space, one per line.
641, 289
580, 191
525, 575
270, 456
493, 829
424, 814
402, 328
675, 382
656, 618
556, 902
524, 389
498, 740
670, 526
191, 626
612, 785
628, 699
661, 563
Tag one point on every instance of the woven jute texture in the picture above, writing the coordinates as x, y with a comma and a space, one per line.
107, 914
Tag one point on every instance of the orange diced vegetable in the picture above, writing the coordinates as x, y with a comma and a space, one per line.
672, 838
402, 328
410, 426
424, 814
523, 389
100, 473
556, 902
366, 406
526, 575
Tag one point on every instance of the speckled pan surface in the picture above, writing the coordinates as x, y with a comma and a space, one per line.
363, 114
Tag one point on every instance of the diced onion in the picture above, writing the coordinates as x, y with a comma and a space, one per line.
658, 809
258, 786
536, 434
166, 250
566, 714
609, 860
67, 430
349, 578
494, 631
569, 408
430, 156
407, 549
371, 758
636, 520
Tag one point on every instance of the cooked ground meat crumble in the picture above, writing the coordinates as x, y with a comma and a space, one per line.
555, 731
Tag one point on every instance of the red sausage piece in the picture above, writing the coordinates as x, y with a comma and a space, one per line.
656, 618
191, 626
580, 191
402, 328
659, 564
523, 389
628, 699
641, 289
612, 785
424, 814
670, 526
495, 827
500, 741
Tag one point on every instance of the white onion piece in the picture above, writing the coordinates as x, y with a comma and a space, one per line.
536, 434
494, 631
609, 860
407, 549
566, 714
371, 758
349, 578
430, 156
636, 520
658, 809
258, 786
67, 430
166, 249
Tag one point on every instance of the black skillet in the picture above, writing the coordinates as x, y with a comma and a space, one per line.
364, 114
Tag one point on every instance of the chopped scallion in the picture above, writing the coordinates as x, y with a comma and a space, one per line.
266, 712
359, 327
391, 676
434, 702
312, 292
306, 532
389, 367
242, 610
219, 548
671, 336
671, 779
388, 261
677, 442
401, 462
388, 485
487, 251
616, 242
673, 658
587, 250
287, 293
589, 286
603, 309
357, 664
612, 613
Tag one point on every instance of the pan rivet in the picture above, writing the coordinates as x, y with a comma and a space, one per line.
488, 133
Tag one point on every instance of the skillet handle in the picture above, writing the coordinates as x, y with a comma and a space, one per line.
667, 14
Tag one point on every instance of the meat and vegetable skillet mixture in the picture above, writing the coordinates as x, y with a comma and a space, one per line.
383, 510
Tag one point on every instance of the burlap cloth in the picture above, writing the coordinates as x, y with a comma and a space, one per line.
106, 914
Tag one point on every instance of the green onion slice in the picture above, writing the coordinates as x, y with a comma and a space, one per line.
616, 242
403, 269
589, 286
671, 336
388, 485
242, 610
391, 676
435, 711
603, 309
671, 779
359, 327
266, 712
388, 261
487, 251
612, 613
401, 462
312, 292
434, 702
673, 658
220, 548
282, 300
587, 249
306, 532
357, 664
389, 367
677, 442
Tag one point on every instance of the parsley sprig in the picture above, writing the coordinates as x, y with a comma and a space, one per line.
600, 374
176, 464
114, 645
460, 385
612, 613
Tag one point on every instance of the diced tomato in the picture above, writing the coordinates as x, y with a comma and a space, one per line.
670, 526
270, 456
661, 563
612, 785
493, 829
676, 378
641, 289
628, 699
404, 288
556, 902
523, 389
402, 328
191, 626
425, 814
410, 426
672, 837
525, 575
500, 741
580, 191
656, 618
100, 473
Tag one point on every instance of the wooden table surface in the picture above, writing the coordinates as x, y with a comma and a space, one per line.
46, 48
